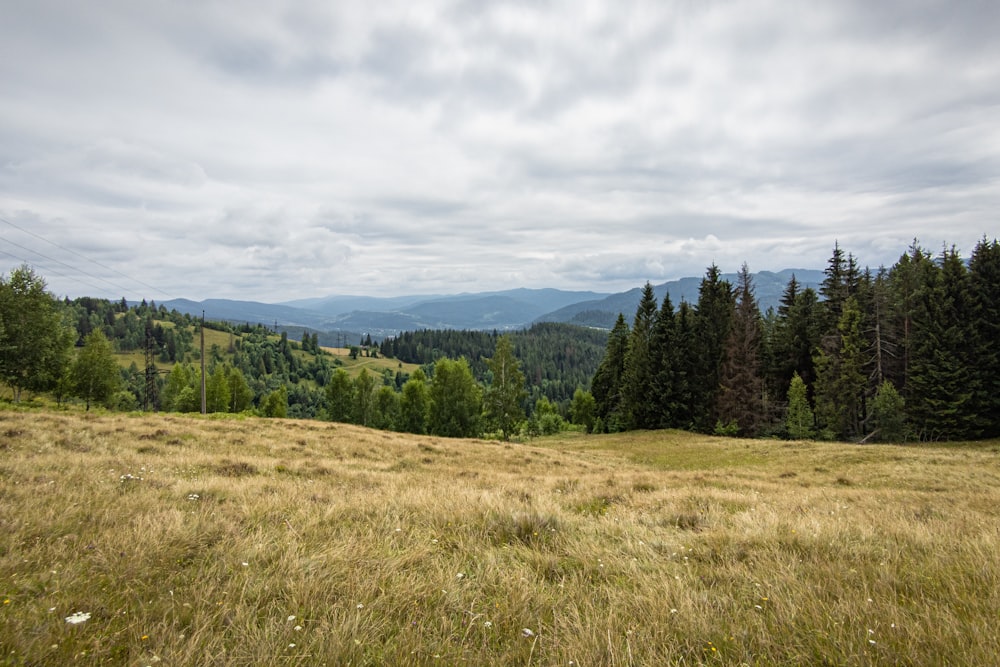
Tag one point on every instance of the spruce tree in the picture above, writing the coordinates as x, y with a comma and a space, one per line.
662, 366
741, 384
941, 381
908, 280
714, 315
840, 380
799, 419
888, 414
607, 383
684, 365
984, 302
639, 408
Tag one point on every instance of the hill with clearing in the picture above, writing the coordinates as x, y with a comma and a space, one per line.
137, 539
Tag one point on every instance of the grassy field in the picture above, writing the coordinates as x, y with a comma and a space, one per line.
181, 540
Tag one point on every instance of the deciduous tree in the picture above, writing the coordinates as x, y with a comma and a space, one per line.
455, 400
95, 373
34, 338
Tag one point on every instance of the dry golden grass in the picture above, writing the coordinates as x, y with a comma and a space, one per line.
194, 541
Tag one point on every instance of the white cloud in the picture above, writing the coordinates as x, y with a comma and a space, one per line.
273, 151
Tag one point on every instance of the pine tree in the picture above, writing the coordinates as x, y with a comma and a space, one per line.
941, 381
684, 365
607, 383
888, 414
663, 372
741, 385
908, 279
840, 381
713, 320
637, 379
799, 419
984, 295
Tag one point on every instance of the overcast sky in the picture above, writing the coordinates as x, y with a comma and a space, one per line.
265, 150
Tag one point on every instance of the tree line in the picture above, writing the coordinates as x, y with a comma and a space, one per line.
264, 373
908, 352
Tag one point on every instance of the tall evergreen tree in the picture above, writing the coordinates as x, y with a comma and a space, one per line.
741, 384
941, 383
663, 367
984, 303
840, 380
908, 280
607, 383
685, 365
639, 408
714, 315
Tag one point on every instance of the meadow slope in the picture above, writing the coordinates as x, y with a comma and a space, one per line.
181, 540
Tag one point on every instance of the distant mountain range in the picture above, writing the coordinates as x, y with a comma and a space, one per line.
347, 317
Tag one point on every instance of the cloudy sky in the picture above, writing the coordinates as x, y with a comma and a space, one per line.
266, 150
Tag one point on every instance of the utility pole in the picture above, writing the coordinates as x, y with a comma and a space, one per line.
204, 403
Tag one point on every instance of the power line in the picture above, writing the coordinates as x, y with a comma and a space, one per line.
68, 266
92, 261
77, 269
51, 270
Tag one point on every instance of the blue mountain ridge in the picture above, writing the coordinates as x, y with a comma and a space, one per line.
500, 310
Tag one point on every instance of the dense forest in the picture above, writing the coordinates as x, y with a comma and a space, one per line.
908, 352
557, 359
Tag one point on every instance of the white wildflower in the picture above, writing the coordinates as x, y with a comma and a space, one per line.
78, 617
526, 632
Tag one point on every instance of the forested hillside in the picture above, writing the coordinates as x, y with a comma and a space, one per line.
556, 358
908, 352
142, 356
